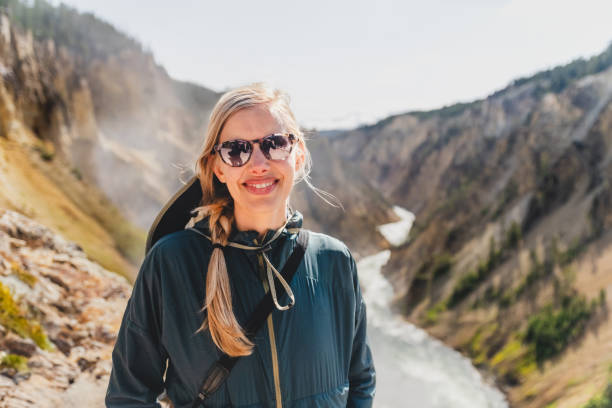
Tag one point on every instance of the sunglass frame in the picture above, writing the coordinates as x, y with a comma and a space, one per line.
266, 152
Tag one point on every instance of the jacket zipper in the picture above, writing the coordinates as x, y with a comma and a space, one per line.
277, 388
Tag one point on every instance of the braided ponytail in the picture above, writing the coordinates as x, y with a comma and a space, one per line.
221, 321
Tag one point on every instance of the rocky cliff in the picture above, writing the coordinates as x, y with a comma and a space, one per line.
59, 317
508, 260
47, 134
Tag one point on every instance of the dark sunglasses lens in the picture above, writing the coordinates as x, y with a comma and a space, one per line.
277, 147
236, 152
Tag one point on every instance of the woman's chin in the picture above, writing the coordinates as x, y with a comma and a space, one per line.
256, 206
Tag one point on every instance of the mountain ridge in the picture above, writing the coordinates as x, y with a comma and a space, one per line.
511, 193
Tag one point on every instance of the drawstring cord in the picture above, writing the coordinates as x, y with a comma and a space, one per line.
271, 271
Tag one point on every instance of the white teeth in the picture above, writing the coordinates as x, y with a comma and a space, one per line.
262, 185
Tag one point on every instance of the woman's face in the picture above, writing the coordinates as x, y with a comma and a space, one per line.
261, 187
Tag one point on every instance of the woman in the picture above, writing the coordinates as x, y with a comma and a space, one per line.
313, 350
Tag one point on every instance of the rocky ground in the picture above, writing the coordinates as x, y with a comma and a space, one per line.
59, 314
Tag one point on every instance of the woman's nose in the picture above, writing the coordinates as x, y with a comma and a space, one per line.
258, 160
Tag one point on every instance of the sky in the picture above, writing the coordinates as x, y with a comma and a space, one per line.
346, 63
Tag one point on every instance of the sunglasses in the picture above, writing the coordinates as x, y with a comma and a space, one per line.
237, 152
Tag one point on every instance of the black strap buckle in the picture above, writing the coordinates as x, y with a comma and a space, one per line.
214, 378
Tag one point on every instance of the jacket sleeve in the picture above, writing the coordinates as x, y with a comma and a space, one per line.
362, 375
139, 359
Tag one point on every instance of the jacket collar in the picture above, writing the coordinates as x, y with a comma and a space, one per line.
249, 237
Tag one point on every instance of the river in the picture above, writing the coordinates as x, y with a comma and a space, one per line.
414, 369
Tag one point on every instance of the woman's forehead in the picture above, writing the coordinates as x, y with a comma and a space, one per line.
250, 123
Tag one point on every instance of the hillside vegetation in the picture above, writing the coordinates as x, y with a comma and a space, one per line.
508, 260
509, 256
86, 36
49, 192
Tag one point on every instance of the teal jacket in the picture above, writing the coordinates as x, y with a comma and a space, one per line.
315, 354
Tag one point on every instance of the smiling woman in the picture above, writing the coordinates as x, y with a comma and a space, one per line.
193, 302
259, 187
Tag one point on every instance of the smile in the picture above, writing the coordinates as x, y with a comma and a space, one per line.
262, 187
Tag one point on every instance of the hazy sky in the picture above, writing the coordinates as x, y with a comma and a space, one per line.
348, 62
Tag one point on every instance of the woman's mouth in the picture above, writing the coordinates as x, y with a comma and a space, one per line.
260, 186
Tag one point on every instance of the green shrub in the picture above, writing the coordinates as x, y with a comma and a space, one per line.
463, 288
19, 363
605, 399
495, 256
513, 236
550, 330
45, 153
506, 300
431, 269
76, 173
468, 283
558, 78
433, 313
491, 293
13, 318
24, 276
577, 246
537, 271
442, 265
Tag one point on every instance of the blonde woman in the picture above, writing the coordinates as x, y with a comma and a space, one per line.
198, 286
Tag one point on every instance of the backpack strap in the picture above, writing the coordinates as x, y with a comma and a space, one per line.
220, 370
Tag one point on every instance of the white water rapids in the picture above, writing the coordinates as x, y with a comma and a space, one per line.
412, 368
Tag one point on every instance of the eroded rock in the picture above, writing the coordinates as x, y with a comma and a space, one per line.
77, 303
16, 345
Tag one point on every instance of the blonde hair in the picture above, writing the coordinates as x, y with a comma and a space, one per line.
217, 204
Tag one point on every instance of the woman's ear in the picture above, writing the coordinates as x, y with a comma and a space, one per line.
300, 155
218, 170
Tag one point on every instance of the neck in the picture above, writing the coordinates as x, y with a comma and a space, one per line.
260, 222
